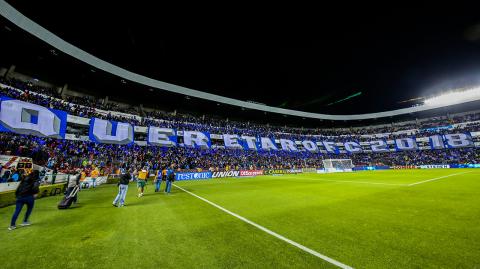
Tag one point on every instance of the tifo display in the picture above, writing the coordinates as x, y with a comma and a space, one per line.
91, 132
25, 118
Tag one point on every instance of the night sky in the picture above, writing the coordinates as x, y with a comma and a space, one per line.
301, 60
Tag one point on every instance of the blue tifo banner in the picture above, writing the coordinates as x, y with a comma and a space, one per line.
29, 119
193, 175
110, 132
25, 118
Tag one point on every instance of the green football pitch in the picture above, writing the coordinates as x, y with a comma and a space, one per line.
371, 219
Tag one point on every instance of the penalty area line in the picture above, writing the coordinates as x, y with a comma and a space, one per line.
437, 178
270, 232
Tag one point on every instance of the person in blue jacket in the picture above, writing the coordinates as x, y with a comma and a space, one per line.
15, 176
158, 180
170, 179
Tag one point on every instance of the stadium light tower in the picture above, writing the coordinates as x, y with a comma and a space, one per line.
456, 97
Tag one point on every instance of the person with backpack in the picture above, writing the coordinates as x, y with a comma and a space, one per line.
122, 189
25, 194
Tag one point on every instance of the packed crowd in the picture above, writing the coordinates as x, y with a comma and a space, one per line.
67, 154
91, 107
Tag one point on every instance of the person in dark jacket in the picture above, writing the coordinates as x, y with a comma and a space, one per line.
25, 193
170, 179
122, 189
6, 176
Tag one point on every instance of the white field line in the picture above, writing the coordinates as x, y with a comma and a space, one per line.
270, 232
437, 178
353, 181
387, 184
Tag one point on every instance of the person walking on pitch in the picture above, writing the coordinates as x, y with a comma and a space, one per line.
158, 181
25, 193
122, 189
142, 181
170, 179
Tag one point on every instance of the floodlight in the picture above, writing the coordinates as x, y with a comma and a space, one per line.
456, 97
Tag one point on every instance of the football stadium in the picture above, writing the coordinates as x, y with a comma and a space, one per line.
309, 143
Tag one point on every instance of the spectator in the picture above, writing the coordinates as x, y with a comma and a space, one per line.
15, 176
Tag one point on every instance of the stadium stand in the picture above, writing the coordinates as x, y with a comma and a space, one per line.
75, 152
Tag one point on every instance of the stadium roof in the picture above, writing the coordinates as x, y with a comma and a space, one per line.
349, 64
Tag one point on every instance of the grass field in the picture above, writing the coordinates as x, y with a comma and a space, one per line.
378, 219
